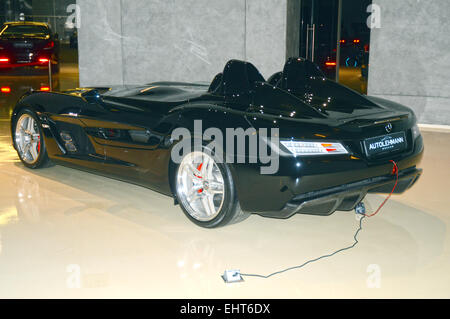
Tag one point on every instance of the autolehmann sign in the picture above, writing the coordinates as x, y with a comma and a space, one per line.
386, 143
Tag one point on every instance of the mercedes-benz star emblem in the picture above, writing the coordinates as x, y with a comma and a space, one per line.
388, 127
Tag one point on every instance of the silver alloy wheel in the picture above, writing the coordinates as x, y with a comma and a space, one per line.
200, 186
28, 139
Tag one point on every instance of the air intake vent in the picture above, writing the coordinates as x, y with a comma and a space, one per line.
68, 142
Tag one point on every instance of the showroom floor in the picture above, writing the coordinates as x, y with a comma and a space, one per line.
67, 233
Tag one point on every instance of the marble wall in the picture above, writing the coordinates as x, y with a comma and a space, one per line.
100, 43
140, 41
410, 57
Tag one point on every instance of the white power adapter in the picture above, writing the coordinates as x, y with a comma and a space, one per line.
233, 275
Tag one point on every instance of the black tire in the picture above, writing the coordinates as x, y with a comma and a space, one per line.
230, 212
42, 160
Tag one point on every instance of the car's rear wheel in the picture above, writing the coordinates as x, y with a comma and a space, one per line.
206, 192
28, 141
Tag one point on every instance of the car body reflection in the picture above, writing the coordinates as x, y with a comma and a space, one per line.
13, 87
27, 199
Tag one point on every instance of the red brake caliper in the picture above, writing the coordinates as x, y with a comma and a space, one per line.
199, 167
39, 144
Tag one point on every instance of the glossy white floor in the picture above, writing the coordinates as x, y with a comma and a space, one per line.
127, 241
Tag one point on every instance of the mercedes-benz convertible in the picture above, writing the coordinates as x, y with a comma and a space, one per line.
334, 145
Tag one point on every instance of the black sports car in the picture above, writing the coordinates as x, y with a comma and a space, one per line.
29, 44
335, 145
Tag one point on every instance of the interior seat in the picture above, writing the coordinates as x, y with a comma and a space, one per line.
296, 74
238, 77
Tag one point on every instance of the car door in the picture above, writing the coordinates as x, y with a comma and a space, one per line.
133, 136
68, 140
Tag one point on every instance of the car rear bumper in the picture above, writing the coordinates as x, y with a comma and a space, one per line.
301, 180
344, 197
27, 64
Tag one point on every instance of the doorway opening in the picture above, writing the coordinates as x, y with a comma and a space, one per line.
334, 34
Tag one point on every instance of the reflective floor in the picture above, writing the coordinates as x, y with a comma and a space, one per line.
351, 77
66, 233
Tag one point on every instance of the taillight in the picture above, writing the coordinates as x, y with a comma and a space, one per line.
4, 60
45, 88
5, 89
314, 148
49, 45
43, 60
330, 63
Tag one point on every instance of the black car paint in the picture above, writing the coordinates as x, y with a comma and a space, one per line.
107, 116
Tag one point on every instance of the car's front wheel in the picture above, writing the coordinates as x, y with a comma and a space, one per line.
206, 192
28, 140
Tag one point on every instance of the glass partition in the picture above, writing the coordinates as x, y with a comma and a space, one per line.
334, 34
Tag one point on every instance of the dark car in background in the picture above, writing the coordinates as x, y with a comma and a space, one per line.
28, 44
